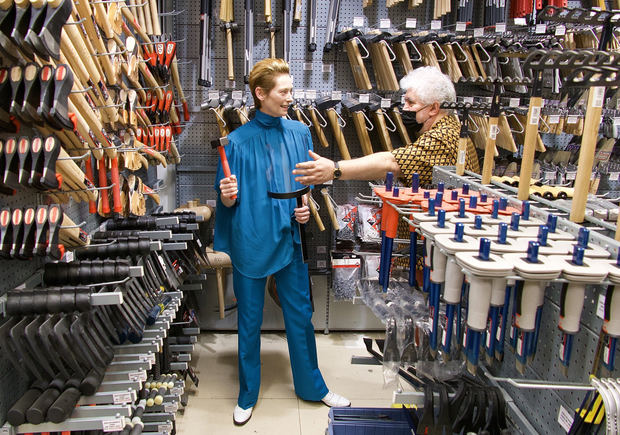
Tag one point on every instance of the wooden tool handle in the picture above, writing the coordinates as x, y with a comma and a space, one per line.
489, 151
72, 171
75, 236
272, 44
400, 127
362, 132
330, 208
384, 135
155, 17
315, 214
317, 127
529, 146
402, 54
362, 81
338, 134
589, 138
461, 156
229, 50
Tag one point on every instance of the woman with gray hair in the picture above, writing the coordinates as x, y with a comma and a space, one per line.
437, 132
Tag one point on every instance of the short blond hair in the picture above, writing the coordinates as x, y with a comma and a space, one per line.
264, 75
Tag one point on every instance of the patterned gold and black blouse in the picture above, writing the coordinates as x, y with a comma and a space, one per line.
437, 146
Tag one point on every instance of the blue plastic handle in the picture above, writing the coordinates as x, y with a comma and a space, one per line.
525, 210
578, 252
441, 218
458, 232
552, 222
389, 181
431, 207
495, 211
501, 234
532, 251
543, 232
473, 201
485, 249
415, 182
478, 222
461, 208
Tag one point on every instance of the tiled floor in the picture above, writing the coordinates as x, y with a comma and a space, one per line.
278, 410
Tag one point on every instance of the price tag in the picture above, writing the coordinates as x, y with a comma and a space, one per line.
364, 98
298, 94
520, 21
550, 175
321, 249
435, 24
321, 264
600, 306
617, 121
386, 103
461, 157
560, 30
514, 102
572, 119
327, 67
113, 425
121, 398
308, 66
571, 175
311, 94
541, 28
565, 419
592, 176
358, 21
176, 391
4, 430
614, 176
68, 256
468, 100
599, 96
231, 84
553, 119
385, 23
535, 116
336, 95
214, 95
164, 427
151, 358
493, 131
171, 407
500, 28
478, 32
236, 95
461, 26
139, 375
411, 23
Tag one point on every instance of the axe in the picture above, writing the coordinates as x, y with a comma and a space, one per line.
220, 144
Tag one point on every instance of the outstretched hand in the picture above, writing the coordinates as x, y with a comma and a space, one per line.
315, 171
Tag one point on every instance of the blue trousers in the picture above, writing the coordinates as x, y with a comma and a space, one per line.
294, 295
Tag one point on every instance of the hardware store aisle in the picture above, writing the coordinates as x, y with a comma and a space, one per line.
278, 410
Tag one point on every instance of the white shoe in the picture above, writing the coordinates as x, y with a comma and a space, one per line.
335, 400
241, 416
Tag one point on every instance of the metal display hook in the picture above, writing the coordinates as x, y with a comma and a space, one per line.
80, 225
74, 158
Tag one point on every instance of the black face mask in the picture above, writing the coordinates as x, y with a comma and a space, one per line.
410, 122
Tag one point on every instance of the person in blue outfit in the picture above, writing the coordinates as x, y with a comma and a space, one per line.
261, 236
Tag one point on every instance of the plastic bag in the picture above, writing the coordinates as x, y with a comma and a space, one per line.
346, 272
369, 223
347, 217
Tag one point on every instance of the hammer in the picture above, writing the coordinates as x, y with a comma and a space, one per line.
220, 144
226, 23
327, 104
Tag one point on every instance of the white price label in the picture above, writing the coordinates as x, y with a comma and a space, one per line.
468, 100
599, 96
592, 176
385, 23
231, 84
176, 391
550, 175
308, 66
68, 256
488, 339
364, 98
553, 119
121, 398
600, 306
164, 428
565, 419
606, 353
151, 358
298, 94
571, 175
169, 408
514, 102
4, 430
114, 425
358, 21
498, 334
214, 95
614, 176
478, 32
311, 94
411, 23
560, 30
520, 21
327, 67
461, 26
386, 103
435, 24
321, 264
337, 95
461, 157
443, 337
535, 116
139, 375
572, 119
541, 28
500, 28
237, 95
493, 131
321, 249
617, 121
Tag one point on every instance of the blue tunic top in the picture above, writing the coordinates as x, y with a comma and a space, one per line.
258, 231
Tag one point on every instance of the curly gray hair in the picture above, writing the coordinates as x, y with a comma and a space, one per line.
430, 85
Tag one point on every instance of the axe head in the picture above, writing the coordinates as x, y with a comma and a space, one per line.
221, 142
324, 103
353, 105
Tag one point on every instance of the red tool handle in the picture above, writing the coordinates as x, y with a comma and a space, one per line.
92, 205
185, 111
225, 166
116, 189
103, 182
156, 134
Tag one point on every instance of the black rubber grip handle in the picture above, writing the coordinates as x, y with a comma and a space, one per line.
16, 415
64, 405
137, 428
38, 410
90, 384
